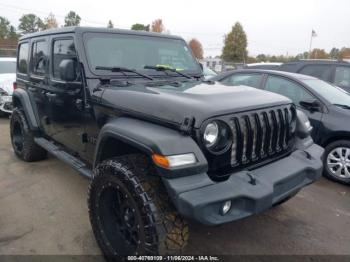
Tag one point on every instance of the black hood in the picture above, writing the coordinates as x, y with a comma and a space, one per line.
193, 99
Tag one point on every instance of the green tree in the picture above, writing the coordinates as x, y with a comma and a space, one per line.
72, 19
4, 27
261, 58
235, 45
50, 22
319, 54
344, 53
30, 23
110, 24
140, 27
334, 53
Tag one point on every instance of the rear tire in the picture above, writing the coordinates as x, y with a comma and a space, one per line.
337, 161
22, 139
130, 212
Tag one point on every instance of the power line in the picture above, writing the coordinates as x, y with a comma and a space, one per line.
17, 8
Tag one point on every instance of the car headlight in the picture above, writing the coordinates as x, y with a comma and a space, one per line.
217, 137
211, 134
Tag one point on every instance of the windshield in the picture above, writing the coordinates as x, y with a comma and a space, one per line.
7, 67
335, 95
208, 72
136, 52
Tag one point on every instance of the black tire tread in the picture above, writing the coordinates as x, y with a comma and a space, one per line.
172, 229
31, 151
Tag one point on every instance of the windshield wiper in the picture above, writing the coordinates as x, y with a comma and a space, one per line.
122, 70
164, 68
342, 106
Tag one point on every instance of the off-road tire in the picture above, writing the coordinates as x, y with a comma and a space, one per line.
328, 149
162, 230
22, 139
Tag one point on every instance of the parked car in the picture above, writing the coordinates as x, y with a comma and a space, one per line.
332, 71
7, 79
159, 144
263, 65
208, 73
326, 105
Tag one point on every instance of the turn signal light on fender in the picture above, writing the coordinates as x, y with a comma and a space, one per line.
174, 160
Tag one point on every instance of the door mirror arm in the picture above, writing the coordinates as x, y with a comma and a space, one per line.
311, 105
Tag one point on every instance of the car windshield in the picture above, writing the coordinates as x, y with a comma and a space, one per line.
334, 94
137, 51
7, 67
208, 72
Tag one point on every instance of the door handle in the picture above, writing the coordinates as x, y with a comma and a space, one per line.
51, 95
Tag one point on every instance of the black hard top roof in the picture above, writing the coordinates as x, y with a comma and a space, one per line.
80, 29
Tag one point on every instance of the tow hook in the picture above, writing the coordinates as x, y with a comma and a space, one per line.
252, 179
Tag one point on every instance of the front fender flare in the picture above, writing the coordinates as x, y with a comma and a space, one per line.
152, 139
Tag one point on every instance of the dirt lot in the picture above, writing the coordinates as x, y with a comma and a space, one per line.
44, 211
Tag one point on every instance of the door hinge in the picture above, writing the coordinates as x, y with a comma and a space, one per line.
187, 124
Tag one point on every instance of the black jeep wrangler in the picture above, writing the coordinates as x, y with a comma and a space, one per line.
130, 110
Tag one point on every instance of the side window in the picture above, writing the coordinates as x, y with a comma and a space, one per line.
63, 49
342, 76
22, 65
320, 71
39, 58
252, 80
288, 88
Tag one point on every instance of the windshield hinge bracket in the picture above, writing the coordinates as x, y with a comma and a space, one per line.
187, 125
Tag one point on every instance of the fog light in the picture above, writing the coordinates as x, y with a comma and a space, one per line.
226, 207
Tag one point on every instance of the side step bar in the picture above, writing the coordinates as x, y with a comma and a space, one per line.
64, 156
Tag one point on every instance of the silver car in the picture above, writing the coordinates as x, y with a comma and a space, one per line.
7, 82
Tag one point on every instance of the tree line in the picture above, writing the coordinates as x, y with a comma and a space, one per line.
30, 23
234, 50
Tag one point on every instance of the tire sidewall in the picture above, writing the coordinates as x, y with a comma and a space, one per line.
121, 177
17, 117
328, 149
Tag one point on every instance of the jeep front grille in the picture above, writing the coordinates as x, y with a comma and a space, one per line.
256, 136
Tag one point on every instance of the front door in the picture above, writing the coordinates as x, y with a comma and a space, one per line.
296, 93
66, 115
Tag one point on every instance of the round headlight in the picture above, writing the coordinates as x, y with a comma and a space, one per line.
211, 134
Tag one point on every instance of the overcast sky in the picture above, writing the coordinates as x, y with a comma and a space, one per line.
272, 26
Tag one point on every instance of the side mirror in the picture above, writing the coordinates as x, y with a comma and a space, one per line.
311, 105
67, 70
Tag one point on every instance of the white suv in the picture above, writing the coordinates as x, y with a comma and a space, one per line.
7, 80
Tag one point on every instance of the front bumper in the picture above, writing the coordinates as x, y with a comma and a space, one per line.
6, 104
200, 198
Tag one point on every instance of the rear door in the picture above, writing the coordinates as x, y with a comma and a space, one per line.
38, 78
296, 93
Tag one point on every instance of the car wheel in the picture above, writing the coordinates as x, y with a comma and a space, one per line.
22, 139
337, 161
130, 212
